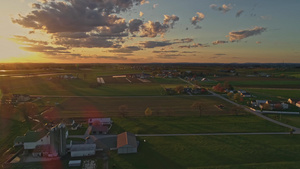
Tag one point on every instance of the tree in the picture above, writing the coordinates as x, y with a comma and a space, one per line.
27, 109
198, 106
148, 112
227, 85
123, 110
229, 95
237, 96
179, 89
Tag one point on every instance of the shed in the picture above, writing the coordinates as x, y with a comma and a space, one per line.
126, 143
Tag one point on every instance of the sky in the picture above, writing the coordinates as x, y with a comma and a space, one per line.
150, 31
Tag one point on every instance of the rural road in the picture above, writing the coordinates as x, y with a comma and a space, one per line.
211, 134
296, 130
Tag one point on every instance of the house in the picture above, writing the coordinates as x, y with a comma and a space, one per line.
99, 129
246, 94
256, 103
242, 91
293, 101
298, 104
103, 121
126, 143
276, 105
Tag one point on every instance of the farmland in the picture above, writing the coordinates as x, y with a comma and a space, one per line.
263, 82
135, 106
222, 152
125, 101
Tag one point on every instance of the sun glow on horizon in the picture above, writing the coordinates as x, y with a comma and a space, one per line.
11, 51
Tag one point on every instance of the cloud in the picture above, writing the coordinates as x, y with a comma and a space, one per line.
239, 35
127, 49
184, 40
152, 29
134, 25
165, 51
25, 41
195, 45
36, 5
141, 13
189, 52
168, 56
49, 50
219, 42
224, 8
144, 2
154, 44
172, 19
155, 6
258, 42
220, 54
199, 17
266, 17
90, 42
79, 23
238, 14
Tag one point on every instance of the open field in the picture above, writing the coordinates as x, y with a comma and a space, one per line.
293, 120
261, 82
194, 124
279, 93
135, 106
272, 151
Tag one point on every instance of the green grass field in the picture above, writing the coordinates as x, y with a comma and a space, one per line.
293, 120
278, 93
272, 151
194, 124
263, 82
87, 107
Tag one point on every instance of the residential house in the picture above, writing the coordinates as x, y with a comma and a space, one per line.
293, 101
256, 103
273, 105
126, 143
246, 94
103, 121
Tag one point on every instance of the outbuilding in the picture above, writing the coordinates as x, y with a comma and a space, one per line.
126, 143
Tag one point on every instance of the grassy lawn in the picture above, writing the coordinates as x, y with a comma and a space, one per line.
272, 151
136, 106
293, 120
196, 124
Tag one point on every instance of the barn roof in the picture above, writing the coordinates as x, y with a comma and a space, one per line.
126, 138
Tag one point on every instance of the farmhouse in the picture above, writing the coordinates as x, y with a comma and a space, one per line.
103, 121
126, 143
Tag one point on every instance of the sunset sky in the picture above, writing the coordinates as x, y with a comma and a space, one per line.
147, 31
